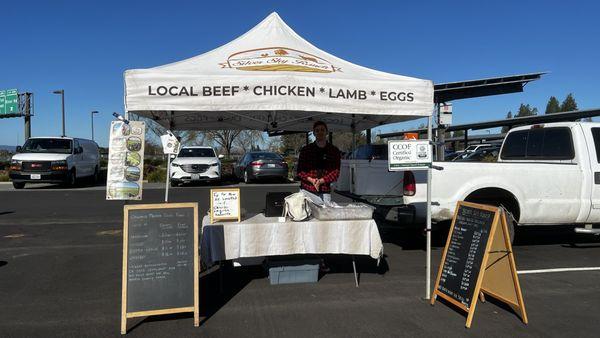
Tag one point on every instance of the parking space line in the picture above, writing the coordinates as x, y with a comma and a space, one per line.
524, 272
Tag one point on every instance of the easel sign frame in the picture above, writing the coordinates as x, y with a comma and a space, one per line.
213, 217
195, 308
497, 275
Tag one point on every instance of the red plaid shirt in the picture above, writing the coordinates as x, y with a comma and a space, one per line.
308, 166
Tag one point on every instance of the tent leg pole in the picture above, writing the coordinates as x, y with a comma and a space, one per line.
428, 230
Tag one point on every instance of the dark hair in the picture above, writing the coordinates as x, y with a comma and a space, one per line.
320, 123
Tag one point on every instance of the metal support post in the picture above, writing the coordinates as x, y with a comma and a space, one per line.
428, 229
369, 136
27, 117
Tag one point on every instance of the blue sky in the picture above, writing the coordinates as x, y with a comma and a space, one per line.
84, 47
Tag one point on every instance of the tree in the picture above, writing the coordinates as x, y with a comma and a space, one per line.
526, 110
568, 104
249, 140
223, 138
458, 133
505, 129
553, 106
343, 140
292, 142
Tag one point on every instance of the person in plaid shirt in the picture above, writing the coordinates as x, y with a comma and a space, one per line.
319, 164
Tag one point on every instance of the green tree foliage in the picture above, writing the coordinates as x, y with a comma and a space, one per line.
553, 106
526, 110
505, 129
568, 104
458, 133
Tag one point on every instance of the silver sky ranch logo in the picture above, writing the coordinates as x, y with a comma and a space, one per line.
278, 59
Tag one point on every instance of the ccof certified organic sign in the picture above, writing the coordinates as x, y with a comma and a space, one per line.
404, 154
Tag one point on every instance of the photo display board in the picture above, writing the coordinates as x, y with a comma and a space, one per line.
477, 260
225, 204
125, 160
160, 260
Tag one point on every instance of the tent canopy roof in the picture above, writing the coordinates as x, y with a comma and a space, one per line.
270, 78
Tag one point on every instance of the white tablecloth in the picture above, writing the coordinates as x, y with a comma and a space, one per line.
260, 236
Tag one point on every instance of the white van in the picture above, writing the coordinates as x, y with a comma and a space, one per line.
54, 160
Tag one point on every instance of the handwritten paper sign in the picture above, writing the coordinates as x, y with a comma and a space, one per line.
224, 204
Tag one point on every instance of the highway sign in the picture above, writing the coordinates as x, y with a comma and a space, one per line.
9, 102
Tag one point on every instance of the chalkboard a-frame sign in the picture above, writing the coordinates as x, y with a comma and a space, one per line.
477, 260
160, 260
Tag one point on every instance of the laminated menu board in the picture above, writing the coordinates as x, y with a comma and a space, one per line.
225, 204
125, 160
160, 260
477, 260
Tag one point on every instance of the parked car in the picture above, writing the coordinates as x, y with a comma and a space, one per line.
195, 164
483, 154
261, 165
54, 160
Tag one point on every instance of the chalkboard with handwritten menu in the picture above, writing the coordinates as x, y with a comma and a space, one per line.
224, 204
160, 259
464, 252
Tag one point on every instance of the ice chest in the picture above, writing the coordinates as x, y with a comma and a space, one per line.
344, 211
294, 271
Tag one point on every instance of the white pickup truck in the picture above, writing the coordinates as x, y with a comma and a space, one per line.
545, 174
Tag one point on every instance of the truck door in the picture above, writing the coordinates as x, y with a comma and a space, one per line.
592, 136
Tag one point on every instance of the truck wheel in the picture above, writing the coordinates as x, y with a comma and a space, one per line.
18, 185
96, 175
71, 179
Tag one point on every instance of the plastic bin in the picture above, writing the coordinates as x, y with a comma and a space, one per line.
297, 271
342, 211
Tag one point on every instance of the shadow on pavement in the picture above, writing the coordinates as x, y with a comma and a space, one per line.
3, 263
233, 281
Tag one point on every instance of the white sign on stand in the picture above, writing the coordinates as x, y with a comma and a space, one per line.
409, 154
170, 144
445, 115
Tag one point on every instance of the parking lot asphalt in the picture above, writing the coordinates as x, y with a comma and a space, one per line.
60, 275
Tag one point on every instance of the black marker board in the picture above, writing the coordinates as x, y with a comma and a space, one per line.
160, 261
465, 251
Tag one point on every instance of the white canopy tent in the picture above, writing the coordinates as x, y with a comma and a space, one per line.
269, 79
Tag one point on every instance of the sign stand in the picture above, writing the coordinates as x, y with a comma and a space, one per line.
497, 274
170, 145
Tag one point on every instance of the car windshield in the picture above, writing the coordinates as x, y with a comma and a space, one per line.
49, 145
196, 152
265, 156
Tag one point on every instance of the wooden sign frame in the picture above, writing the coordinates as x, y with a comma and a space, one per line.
214, 218
195, 309
498, 273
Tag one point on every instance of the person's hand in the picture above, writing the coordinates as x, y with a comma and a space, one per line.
318, 183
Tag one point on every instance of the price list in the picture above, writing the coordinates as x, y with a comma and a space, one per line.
465, 253
160, 260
